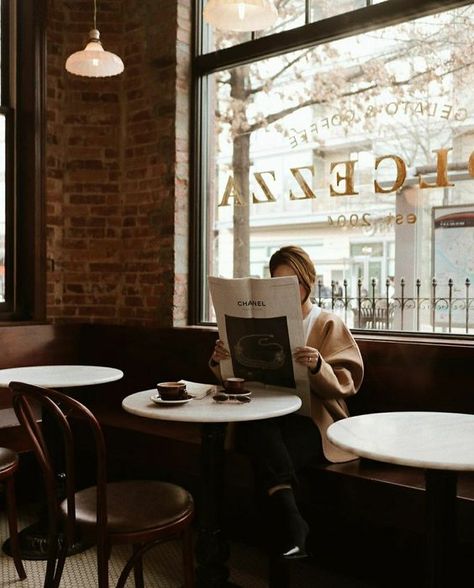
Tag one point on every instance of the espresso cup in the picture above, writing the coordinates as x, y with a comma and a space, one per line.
171, 390
234, 385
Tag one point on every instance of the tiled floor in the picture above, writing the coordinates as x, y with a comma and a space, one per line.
163, 569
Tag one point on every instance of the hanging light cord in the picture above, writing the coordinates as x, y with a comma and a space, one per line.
95, 14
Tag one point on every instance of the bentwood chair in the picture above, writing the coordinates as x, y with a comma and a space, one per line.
140, 513
8, 467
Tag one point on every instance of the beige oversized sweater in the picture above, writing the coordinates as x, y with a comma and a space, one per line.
340, 375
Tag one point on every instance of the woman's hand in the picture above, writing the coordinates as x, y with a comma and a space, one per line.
220, 352
307, 356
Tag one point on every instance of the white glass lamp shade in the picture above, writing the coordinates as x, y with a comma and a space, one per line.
93, 61
240, 15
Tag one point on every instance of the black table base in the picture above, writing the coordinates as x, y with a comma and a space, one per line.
34, 543
212, 546
441, 527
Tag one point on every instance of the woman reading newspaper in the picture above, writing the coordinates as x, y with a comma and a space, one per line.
280, 447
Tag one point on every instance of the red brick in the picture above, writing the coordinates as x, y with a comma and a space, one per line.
111, 189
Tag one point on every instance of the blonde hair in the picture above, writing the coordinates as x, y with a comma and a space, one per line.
300, 262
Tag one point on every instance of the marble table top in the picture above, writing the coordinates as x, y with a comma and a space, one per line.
266, 402
60, 376
432, 440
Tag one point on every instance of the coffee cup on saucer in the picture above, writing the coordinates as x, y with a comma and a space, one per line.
171, 390
234, 385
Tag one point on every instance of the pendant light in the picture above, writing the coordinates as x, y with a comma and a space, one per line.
93, 61
240, 15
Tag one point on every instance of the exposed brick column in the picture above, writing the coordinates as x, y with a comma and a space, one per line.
181, 218
118, 166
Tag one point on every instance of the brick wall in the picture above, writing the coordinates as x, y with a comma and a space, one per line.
117, 166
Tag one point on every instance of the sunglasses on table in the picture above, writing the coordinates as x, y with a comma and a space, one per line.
224, 397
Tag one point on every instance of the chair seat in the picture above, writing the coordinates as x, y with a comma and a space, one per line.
134, 505
8, 459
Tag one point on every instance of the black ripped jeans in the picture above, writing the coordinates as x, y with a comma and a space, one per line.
279, 448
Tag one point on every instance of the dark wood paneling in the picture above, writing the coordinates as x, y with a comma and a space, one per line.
415, 375
23, 345
38, 345
148, 356
406, 374
30, 302
401, 374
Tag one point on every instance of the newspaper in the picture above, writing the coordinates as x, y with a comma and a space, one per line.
261, 323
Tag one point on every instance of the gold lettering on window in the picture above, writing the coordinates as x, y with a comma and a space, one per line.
231, 191
263, 185
307, 192
441, 171
344, 181
348, 178
401, 174
470, 165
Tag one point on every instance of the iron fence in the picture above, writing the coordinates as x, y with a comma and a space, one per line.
438, 308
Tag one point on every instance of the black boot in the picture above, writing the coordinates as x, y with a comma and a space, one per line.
291, 528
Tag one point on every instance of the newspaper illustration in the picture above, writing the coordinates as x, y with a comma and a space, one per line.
260, 322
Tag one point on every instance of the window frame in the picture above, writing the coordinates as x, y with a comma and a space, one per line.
6, 111
23, 101
369, 18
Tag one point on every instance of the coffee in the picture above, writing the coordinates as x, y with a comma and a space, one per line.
171, 390
234, 385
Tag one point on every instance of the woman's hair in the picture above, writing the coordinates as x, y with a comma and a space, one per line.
299, 261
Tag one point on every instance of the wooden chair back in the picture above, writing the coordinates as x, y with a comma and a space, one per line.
55, 446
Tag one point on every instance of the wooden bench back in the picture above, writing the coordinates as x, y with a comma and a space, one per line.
399, 374
148, 356
23, 345
415, 375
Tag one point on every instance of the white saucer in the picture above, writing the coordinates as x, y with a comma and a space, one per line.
157, 400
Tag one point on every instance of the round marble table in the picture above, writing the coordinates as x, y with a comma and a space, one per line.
60, 376
212, 550
442, 443
34, 539
265, 403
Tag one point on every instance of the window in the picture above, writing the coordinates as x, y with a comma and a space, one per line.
22, 271
355, 136
291, 14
